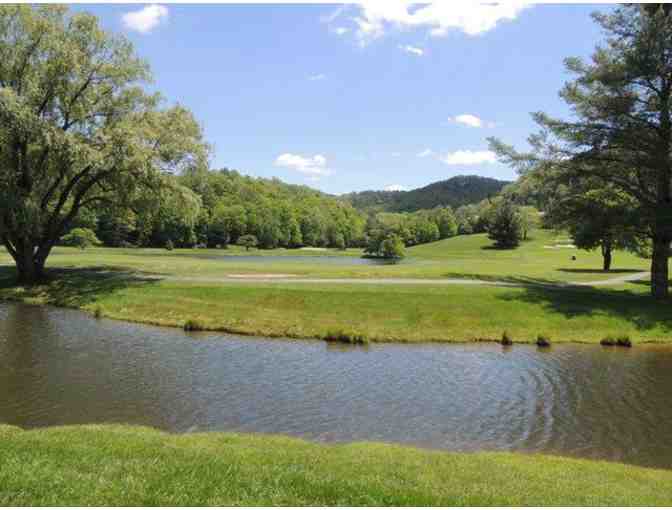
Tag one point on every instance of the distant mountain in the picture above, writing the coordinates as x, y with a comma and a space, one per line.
456, 191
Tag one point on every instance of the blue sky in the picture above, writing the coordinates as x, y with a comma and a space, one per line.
360, 97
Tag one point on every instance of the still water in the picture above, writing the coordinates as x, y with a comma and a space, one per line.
63, 367
331, 260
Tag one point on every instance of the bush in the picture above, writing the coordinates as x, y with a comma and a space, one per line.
624, 341
543, 341
82, 238
248, 241
608, 341
506, 339
169, 245
346, 338
193, 325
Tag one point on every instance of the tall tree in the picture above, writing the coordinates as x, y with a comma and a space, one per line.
598, 217
76, 128
622, 131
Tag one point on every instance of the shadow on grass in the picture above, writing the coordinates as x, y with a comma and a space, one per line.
640, 310
71, 287
511, 279
599, 271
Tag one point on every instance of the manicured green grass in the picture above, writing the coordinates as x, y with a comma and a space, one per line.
461, 256
410, 313
113, 283
131, 466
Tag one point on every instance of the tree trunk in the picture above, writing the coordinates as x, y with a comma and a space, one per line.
659, 267
30, 262
606, 256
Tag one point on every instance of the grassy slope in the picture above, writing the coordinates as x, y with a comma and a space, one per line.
124, 466
383, 313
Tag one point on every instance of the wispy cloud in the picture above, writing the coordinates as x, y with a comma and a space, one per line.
312, 166
146, 19
426, 153
468, 157
412, 50
376, 17
467, 119
340, 30
396, 187
317, 77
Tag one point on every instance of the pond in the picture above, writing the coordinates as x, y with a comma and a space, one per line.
61, 367
334, 260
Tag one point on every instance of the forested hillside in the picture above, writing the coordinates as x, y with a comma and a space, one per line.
214, 208
453, 192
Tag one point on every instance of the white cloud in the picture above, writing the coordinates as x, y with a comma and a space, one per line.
425, 153
312, 166
375, 17
340, 30
146, 19
467, 119
468, 157
413, 50
317, 77
395, 187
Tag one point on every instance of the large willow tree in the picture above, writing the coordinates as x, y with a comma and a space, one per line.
76, 128
620, 136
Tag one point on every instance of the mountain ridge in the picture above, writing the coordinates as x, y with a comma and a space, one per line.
454, 192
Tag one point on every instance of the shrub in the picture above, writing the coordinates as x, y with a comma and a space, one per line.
608, 341
169, 245
624, 341
193, 325
506, 339
248, 241
543, 341
82, 238
346, 338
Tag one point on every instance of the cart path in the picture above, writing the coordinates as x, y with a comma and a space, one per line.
283, 278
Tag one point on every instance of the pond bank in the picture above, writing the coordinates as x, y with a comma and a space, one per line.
378, 313
130, 466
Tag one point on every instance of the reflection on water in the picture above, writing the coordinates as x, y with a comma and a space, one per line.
63, 367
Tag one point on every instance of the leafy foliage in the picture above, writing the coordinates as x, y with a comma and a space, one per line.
81, 238
76, 129
248, 241
505, 225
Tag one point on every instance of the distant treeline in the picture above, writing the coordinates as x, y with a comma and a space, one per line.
216, 208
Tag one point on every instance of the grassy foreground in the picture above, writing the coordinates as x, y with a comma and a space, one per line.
130, 466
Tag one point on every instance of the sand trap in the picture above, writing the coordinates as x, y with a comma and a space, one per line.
310, 248
558, 246
260, 275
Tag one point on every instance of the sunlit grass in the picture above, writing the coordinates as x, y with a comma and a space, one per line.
130, 466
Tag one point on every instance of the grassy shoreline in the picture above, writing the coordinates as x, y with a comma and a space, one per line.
126, 284
133, 466
390, 313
